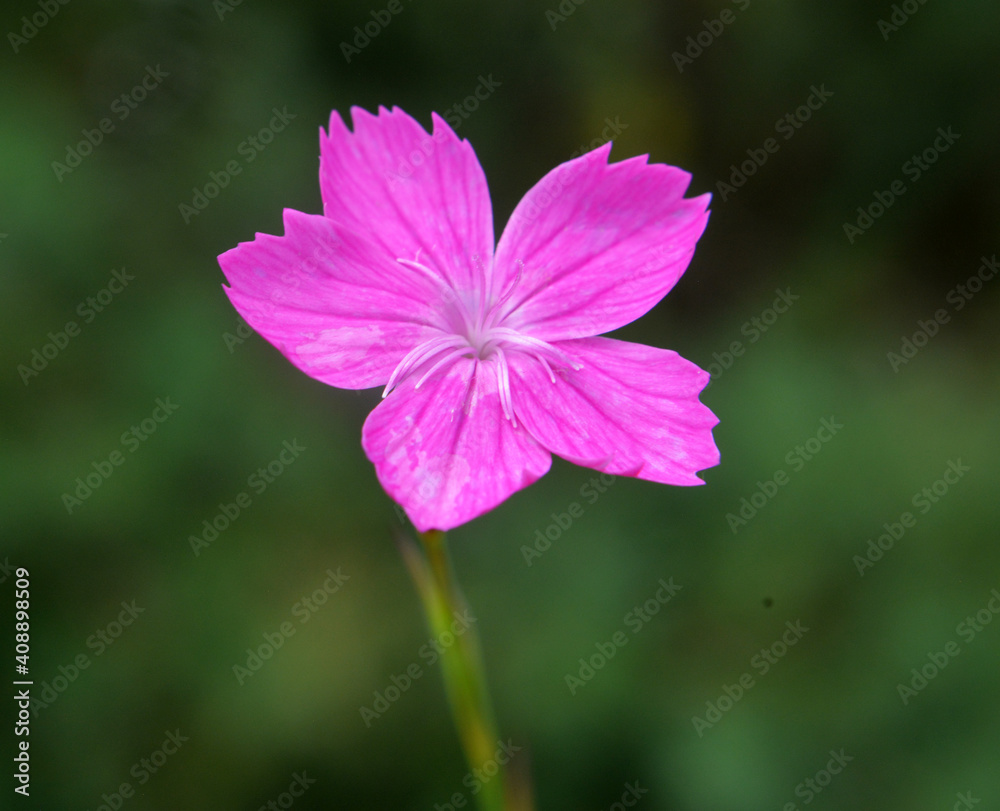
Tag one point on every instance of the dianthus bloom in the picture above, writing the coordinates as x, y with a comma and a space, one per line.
487, 355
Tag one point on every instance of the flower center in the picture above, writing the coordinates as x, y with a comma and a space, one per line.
475, 330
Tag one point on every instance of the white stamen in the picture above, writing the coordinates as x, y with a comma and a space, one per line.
548, 368
476, 332
516, 338
503, 383
507, 293
455, 353
418, 355
430, 274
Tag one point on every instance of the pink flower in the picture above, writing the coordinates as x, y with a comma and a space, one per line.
487, 355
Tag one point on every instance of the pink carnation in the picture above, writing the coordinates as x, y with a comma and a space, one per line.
487, 354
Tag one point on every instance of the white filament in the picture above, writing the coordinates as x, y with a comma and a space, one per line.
484, 337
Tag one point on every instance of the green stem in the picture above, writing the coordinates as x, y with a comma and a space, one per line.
462, 664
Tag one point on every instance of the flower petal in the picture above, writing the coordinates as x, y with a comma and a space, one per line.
597, 245
631, 410
338, 307
421, 197
445, 452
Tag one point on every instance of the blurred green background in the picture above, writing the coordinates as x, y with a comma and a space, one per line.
565, 73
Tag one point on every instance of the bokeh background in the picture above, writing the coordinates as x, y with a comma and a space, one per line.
562, 74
